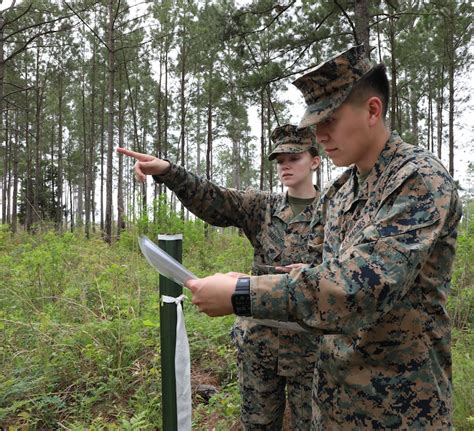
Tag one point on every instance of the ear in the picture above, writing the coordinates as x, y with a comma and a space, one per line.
315, 163
375, 110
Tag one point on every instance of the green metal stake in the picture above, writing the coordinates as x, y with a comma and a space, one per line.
173, 245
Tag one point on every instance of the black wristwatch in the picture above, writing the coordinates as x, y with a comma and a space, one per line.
241, 297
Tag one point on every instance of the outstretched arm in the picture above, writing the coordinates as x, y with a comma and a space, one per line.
146, 164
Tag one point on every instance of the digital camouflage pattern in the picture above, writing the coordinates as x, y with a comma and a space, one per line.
291, 139
267, 357
381, 293
327, 86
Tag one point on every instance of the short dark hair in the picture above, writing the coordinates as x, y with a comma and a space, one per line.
374, 82
313, 151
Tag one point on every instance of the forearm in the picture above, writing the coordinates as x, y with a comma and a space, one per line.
340, 295
213, 204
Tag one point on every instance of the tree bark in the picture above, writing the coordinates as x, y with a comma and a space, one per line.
38, 184
110, 125
15, 176
439, 119
361, 9
269, 141
120, 205
393, 83
451, 69
6, 173
59, 214
262, 139
182, 139
414, 116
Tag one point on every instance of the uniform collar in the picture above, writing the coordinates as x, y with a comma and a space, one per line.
284, 212
370, 183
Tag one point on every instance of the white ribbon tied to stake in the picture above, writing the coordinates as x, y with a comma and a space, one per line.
169, 267
182, 366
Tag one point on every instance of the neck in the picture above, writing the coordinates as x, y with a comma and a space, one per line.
303, 191
380, 139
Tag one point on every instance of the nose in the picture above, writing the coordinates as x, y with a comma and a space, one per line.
321, 134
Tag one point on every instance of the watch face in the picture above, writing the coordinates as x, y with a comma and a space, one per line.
241, 297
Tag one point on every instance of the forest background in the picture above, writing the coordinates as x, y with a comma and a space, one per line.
202, 83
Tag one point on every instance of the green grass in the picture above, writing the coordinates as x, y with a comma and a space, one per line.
79, 332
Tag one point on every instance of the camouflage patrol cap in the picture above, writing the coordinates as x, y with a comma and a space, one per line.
291, 139
327, 86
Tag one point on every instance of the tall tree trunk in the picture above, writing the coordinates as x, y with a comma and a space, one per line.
262, 139
2, 77
361, 9
92, 138
451, 54
414, 116
209, 141
102, 159
183, 104
53, 178
158, 139
209, 137
429, 120
136, 140
71, 201
164, 145
120, 206
9, 166
85, 161
15, 175
198, 131
110, 125
393, 83
38, 177
269, 141
439, 119
29, 178
80, 201
234, 137
59, 214
6, 173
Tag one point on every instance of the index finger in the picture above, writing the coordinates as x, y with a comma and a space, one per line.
138, 156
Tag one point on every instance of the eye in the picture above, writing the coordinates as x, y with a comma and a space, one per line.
328, 121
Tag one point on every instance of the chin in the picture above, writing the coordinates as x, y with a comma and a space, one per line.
340, 163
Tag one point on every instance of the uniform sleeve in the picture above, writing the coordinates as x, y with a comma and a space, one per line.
355, 290
215, 205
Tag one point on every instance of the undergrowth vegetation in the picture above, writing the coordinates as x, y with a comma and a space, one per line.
79, 330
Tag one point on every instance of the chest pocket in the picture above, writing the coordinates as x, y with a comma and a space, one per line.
397, 212
297, 242
270, 239
401, 213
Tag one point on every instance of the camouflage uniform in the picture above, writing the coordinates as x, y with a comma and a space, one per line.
268, 358
381, 290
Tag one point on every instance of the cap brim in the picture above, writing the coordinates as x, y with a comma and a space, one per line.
313, 118
324, 107
288, 148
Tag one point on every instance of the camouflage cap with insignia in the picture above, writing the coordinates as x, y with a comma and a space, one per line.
291, 139
327, 86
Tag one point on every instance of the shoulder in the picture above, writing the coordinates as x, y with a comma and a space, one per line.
332, 188
411, 162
